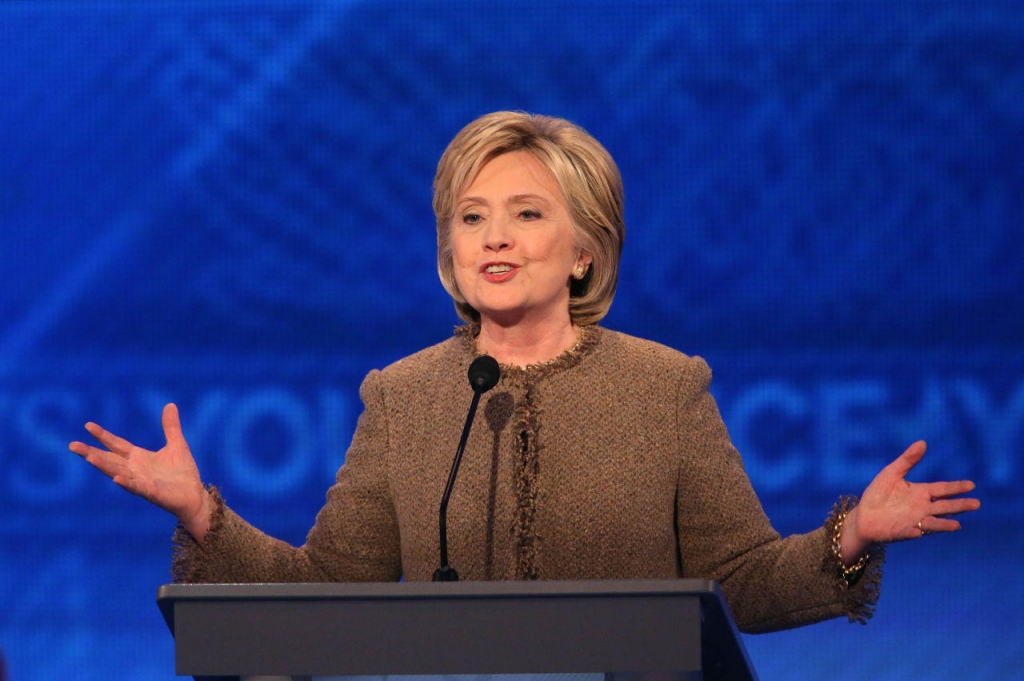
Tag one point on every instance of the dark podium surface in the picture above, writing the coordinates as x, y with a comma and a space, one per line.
680, 628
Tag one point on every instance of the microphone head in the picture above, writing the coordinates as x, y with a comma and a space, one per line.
484, 373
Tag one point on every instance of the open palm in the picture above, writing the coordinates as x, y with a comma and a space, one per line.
894, 509
167, 477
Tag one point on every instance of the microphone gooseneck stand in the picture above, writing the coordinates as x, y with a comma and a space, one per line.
483, 375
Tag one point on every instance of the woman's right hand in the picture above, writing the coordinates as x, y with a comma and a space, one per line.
168, 478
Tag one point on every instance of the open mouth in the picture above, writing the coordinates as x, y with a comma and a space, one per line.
498, 268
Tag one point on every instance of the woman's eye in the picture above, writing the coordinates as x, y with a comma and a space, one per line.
529, 214
471, 218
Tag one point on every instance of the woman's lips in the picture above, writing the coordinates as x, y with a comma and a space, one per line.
497, 272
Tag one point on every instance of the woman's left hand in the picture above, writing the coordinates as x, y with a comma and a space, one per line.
893, 509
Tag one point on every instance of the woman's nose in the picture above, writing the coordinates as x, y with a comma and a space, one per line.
498, 235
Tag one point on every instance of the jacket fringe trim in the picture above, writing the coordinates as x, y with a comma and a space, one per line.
860, 594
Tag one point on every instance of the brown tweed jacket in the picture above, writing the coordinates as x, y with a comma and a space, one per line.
609, 462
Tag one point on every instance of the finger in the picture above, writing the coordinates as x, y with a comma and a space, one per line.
912, 532
85, 451
108, 463
112, 442
931, 524
172, 425
941, 490
79, 448
948, 507
908, 459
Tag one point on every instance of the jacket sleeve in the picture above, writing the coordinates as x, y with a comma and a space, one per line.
355, 537
769, 582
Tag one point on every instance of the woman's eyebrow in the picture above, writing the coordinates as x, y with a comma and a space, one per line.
515, 198
520, 198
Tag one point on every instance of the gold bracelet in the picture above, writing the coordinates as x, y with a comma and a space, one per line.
837, 550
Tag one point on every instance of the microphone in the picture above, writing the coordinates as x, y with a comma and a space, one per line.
483, 375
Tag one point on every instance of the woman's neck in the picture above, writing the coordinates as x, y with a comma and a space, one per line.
522, 346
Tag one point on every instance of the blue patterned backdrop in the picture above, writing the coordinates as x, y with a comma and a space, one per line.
227, 204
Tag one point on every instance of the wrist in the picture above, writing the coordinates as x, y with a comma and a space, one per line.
847, 552
852, 546
197, 523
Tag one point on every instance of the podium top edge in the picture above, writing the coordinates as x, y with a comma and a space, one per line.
513, 589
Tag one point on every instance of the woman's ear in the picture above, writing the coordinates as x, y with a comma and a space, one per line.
583, 261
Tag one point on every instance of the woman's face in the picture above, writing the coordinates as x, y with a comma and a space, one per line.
513, 244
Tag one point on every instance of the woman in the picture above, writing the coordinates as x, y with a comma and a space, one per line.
597, 455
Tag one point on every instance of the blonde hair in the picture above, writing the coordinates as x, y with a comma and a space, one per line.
589, 180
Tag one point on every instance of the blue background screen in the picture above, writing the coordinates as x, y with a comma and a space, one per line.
227, 205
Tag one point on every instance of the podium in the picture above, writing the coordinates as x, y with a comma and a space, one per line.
626, 630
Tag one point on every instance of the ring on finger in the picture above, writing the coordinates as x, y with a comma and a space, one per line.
921, 529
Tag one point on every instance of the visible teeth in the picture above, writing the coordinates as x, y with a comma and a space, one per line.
498, 269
